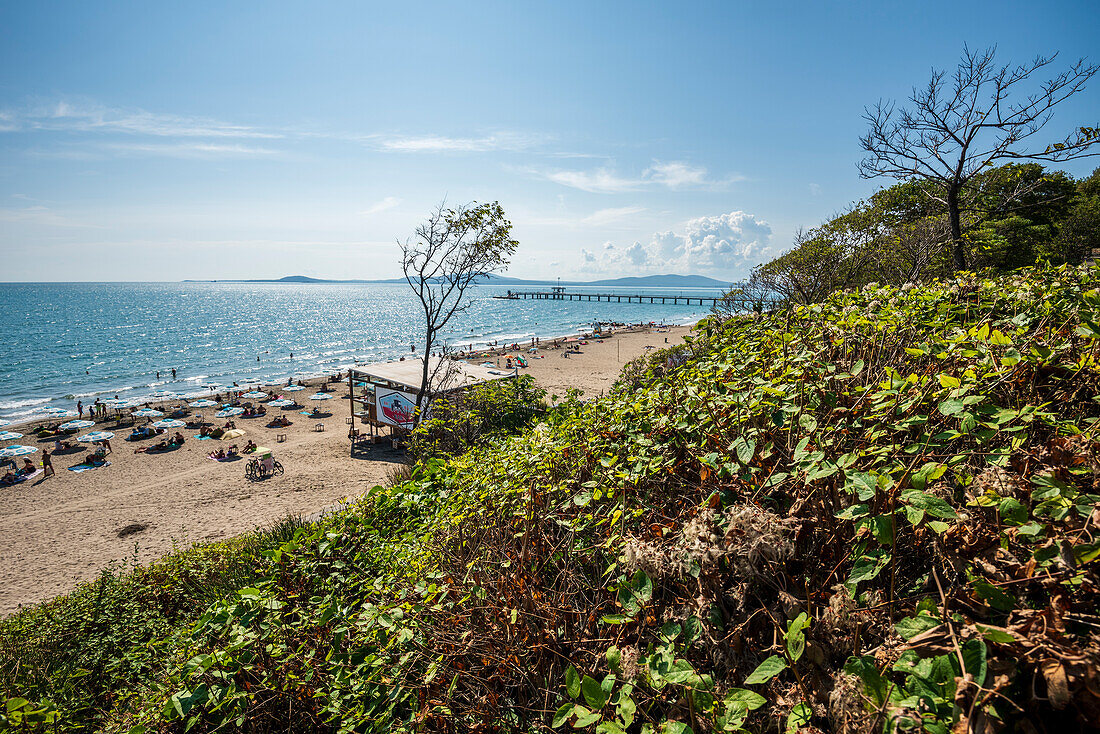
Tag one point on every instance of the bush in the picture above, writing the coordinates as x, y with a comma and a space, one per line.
467, 418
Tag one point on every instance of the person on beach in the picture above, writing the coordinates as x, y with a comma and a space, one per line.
106, 444
173, 373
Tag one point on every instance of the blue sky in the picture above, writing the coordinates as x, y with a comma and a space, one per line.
157, 141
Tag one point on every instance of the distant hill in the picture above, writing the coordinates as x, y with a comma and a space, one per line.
644, 281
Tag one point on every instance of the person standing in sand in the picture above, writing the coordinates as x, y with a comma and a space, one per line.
80, 408
47, 464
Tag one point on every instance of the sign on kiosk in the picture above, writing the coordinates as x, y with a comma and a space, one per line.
396, 408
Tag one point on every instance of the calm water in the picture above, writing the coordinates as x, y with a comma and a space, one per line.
68, 341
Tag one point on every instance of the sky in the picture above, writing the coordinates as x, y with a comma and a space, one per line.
167, 141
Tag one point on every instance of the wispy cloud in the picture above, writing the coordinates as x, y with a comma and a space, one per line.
38, 215
511, 141
390, 202
90, 117
671, 175
604, 217
192, 149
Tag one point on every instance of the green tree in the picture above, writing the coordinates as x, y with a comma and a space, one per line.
451, 251
959, 126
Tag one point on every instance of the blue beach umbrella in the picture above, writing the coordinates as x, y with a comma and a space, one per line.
320, 396
5, 423
76, 425
169, 423
148, 413
58, 413
204, 403
228, 412
96, 436
54, 411
10, 436
16, 450
293, 388
281, 403
255, 395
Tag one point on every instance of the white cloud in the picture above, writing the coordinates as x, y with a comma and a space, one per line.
604, 217
378, 207
38, 215
600, 181
676, 174
192, 149
724, 247
671, 175
84, 117
446, 144
815, 189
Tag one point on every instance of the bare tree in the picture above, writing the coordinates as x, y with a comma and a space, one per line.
960, 125
451, 251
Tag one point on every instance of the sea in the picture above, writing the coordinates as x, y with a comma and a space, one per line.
64, 342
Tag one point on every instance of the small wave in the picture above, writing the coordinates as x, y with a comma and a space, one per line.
23, 403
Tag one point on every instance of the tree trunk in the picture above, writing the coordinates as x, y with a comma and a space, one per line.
429, 337
958, 254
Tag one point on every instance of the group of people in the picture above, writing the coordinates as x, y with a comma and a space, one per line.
165, 444
16, 475
232, 452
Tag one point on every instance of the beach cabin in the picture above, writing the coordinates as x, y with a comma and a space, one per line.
384, 394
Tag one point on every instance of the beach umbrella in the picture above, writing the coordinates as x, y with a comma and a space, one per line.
204, 403
54, 411
281, 403
10, 435
169, 423
5, 423
293, 388
96, 436
233, 433
320, 396
255, 395
228, 412
16, 450
148, 413
76, 425
63, 414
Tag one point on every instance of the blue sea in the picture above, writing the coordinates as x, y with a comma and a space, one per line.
64, 342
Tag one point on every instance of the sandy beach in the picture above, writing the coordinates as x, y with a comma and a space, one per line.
61, 530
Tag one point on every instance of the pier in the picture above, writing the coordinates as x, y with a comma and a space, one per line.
560, 294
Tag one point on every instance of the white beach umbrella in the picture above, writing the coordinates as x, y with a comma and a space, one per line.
320, 396
281, 403
204, 403
228, 412
10, 435
17, 450
63, 414
148, 413
76, 425
4, 422
255, 395
293, 388
169, 423
54, 411
96, 436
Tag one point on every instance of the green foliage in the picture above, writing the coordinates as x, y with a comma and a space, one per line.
715, 546
460, 421
66, 663
1013, 216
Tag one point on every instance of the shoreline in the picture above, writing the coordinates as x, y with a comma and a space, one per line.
65, 529
485, 348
